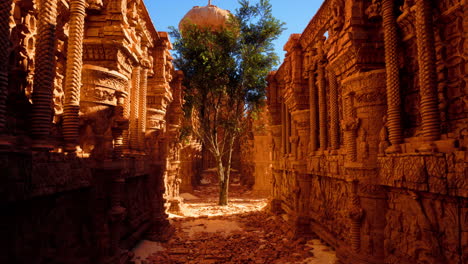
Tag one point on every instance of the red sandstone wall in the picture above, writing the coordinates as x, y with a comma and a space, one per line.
340, 169
84, 181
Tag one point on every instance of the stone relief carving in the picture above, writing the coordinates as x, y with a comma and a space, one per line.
380, 107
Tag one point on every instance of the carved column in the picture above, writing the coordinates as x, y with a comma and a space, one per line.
427, 70
350, 125
313, 110
44, 74
283, 127
288, 130
334, 125
120, 124
142, 108
73, 78
5, 9
117, 213
293, 139
356, 213
322, 96
126, 116
134, 110
393, 78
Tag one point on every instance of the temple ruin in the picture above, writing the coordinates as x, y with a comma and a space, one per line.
90, 116
363, 141
369, 128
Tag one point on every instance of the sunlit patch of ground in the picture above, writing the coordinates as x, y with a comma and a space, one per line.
204, 202
242, 232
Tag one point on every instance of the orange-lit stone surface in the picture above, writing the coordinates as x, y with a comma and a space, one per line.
89, 131
369, 129
363, 144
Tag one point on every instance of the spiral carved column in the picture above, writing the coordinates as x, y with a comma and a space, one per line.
73, 78
427, 70
313, 111
334, 125
44, 74
322, 105
5, 9
356, 214
283, 128
350, 126
142, 108
126, 116
119, 125
134, 110
393, 78
288, 129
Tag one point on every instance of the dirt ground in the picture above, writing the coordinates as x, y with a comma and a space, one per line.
242, 232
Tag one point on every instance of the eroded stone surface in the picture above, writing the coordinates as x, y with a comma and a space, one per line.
90, 116
365, 138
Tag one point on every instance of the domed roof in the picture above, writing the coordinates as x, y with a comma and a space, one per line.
209, 16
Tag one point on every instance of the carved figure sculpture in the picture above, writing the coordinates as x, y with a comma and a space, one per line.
374, 10
383, 136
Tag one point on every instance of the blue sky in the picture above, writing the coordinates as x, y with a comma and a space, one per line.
295, 13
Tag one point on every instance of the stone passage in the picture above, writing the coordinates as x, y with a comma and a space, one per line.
243, 232
363, 143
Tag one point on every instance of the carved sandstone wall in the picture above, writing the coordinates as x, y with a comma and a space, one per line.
90, 113
369, 130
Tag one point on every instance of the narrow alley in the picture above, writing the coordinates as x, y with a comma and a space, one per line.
331, 131
242, 232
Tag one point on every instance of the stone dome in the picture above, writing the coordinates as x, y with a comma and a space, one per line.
209, 16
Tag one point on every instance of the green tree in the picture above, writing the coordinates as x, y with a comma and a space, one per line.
225, 77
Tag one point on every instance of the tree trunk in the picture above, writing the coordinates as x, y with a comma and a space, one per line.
223, 183
223, 191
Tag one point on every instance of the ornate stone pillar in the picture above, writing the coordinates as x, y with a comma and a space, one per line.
283, 127
322, 96
142, 108
334, 125
120, 124
134, 109
350, 125
393, 78
288, 130
313, 110
117, 212
44, 74
126, 116
293, 138
73, 78
302, 125
5, 9
427, 70
356, 214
